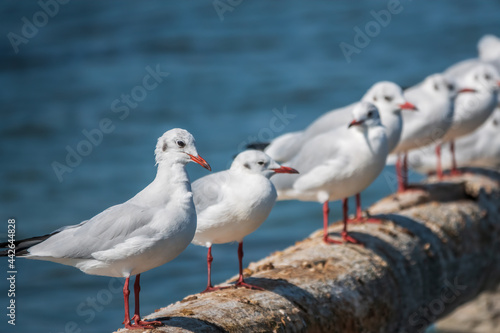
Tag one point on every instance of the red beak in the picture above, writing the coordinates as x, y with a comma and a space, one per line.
464, 90
355, 123
408, 106
285, 169
201, 161
498, 83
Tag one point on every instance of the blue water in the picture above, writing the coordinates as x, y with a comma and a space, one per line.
225, 79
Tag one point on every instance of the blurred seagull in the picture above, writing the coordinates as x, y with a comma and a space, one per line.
338, 164
434, 98
232, 204
386, 96
478, 149
473, 109
145, 232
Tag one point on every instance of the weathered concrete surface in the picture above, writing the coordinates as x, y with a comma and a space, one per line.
482, 315
437, 248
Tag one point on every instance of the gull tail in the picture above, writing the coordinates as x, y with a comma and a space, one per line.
23, 245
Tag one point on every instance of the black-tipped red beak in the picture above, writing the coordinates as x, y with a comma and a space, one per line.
201, 161
408, 106
285, 169
465, 90
355, 123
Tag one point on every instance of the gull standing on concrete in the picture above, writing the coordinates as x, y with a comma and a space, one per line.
338, 164
478, 149
386, 96
434, 98
232, 204
145, 232
471, 110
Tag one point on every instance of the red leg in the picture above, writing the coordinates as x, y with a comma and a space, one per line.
359, 215
399, 175
137, 316
209, 269
128, 324
345, 235
405, 171
126, 293
439, 170
454, 171
326, 238
241, 282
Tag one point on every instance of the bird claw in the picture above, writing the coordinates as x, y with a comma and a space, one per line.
138, 327
211, 288
246, 285
329, 240
141, 324
349, 239
359, 220
345, 237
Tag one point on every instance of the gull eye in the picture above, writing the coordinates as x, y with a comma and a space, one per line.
436, 87
375, 98
260, 162
451, 87
181, 144
388, 98
487, 76
370, 114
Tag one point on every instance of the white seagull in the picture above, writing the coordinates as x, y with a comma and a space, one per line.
471, 110
386, 96
478, 149
434, 98
145, 232
232, 204
338, 164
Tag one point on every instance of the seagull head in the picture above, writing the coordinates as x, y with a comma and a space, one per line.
438, 85
482, 77
178, 145
388, 98
365, 115
258, 162
488, 48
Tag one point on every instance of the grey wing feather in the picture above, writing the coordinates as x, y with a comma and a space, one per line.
330, 120
207, 191
319, 149
102, 232
315, 152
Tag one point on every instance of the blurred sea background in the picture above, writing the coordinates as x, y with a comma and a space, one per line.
231, 75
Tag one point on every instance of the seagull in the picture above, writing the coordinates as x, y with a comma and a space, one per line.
337, 164
232, 204
474, 108
386, 96
145, 232
478, 149
434, 98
